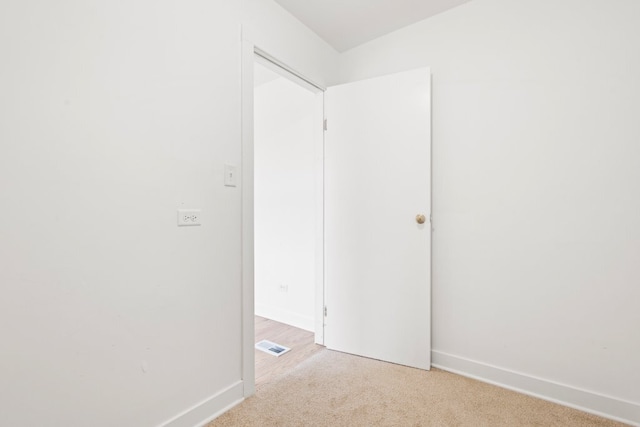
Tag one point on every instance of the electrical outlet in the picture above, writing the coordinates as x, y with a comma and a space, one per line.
284, 288
188, 217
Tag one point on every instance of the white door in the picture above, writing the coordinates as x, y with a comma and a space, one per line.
377, 255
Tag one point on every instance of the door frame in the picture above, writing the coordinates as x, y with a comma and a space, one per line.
249, 52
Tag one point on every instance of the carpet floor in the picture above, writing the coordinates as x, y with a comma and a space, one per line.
337, 389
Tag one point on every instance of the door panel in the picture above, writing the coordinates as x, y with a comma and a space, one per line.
377, 179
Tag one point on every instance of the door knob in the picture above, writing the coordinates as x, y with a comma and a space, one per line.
420, 219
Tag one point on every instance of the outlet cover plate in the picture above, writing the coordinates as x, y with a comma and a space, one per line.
188, 217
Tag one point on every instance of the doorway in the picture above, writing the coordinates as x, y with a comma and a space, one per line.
286, 128
288, 215
375, 233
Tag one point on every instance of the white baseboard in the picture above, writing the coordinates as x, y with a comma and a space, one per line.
587, 401
210, 408
283, 316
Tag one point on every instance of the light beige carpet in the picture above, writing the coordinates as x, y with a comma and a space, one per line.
337, 389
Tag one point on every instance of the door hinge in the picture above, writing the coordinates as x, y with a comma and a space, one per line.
325, 311
324, 124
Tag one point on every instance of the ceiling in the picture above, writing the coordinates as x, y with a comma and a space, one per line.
348, 23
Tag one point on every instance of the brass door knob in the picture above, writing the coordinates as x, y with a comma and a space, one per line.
420, 219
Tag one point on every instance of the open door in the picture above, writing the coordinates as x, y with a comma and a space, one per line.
377, 210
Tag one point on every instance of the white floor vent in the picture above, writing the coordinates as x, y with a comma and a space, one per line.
272, 348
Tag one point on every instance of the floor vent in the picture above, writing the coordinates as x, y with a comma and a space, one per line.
272, 348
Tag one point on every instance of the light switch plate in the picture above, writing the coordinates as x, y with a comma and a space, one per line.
230, 176
188, 217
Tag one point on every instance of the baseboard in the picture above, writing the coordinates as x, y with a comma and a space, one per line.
283, 316
210, 408
587, 401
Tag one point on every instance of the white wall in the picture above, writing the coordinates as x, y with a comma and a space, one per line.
285, 130
112, 116
536, 191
